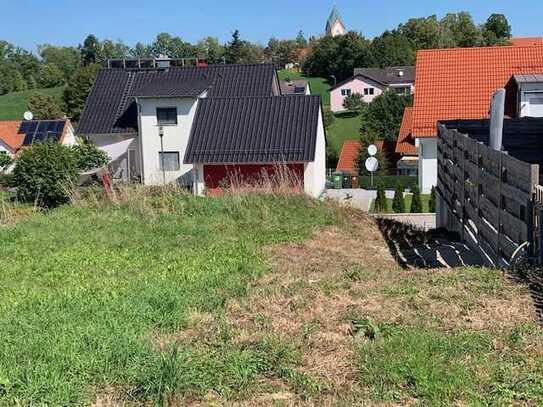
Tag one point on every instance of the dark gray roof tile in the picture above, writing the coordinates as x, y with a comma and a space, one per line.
111, 108
254, 130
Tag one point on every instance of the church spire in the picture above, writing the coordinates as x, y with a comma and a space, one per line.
335, 25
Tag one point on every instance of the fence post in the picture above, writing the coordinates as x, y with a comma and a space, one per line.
500, 183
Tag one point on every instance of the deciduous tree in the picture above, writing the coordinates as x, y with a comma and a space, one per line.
78, 89
44, 107
381, 119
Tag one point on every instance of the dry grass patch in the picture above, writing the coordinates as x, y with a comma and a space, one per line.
320, 289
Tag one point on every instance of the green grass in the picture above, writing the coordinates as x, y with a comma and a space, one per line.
13, 105
85, 289
319, 86
345, 127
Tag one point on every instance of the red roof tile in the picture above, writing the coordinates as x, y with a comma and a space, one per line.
458, 83
526, 41
349, 156
351, 150
405, 144
9, 134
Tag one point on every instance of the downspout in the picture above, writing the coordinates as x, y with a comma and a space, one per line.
497, 112
142, 163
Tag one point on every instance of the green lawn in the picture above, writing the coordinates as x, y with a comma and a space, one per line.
345, 127
13, 105
319, 86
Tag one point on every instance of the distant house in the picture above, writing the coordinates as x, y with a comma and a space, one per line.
295, 87
526, 41
199, 126
405, 146
335, 25
459, 83
15, 135
372, 82
350, 152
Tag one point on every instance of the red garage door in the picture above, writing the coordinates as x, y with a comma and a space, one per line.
218, 177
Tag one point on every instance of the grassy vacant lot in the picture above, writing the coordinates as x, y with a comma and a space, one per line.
169, 299
13, 105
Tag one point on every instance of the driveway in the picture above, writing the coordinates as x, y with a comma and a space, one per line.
357, 198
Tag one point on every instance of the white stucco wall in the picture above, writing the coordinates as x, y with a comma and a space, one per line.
427, 149
4, 147
315, 171
175, 139
198, 185
69, 135
112, 144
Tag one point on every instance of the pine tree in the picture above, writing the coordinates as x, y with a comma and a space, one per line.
398, 204
432, 202
416, 204
380, 204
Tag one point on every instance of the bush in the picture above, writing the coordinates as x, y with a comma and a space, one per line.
416, 203
381, 200
398, 204
45, 174
89, 157
328, 117
432, 201
6, 180
389, 181
5, 160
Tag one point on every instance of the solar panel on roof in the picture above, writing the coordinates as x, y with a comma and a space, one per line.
28, 127
60, 127
40, 137
28, 139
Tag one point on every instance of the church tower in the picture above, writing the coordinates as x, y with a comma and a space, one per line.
335, 25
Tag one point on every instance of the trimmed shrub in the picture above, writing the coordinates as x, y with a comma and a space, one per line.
88, 157
432, 201
45, 174
398, 204
381, 200
416, 203
389, 181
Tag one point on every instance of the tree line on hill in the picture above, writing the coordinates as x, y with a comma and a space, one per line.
76, 67
337, 57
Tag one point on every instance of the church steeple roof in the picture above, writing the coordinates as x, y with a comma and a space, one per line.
334, 17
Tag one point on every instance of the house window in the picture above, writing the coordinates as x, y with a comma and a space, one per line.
403, 90
346, 92
170, 160
166, 116
369, 91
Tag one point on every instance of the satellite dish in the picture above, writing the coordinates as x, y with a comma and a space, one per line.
372, 150
372, 164
28, 115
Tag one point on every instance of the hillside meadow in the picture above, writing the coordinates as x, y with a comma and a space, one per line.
156, 297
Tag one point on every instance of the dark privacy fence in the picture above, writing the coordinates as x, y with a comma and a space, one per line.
488, 196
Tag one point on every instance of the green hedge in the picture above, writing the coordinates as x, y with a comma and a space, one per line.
389, 181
